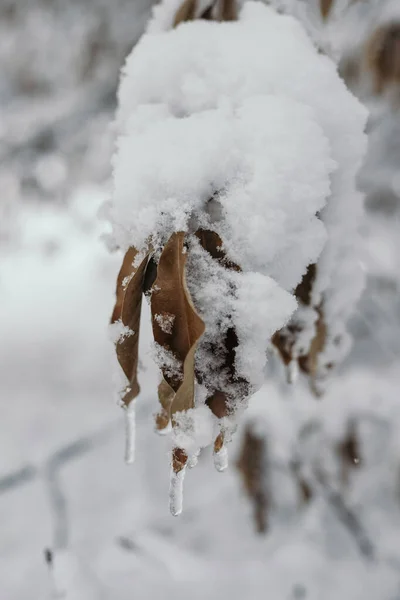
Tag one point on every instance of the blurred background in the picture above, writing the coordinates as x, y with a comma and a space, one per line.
310, 507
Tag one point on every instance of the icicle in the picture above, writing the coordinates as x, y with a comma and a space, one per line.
194, 459
178, 469
221, 459
176, 492
130, 430
292, 371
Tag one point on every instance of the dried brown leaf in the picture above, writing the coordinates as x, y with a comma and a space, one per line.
170, 296
309, 363
126, 270
179, 459
226, 10
252, 466
383, 56
326, 6
186, 12
127, 347
285, 339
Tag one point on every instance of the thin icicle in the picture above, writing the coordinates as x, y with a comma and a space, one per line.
176, 492
292, 371
221, 459
130, 431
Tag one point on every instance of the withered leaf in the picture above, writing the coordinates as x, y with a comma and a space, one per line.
217, 10
285, 339
165, 397
326, 6
127, 347
309, 363
125, 271
170, 296
179, 459
252, 465
186, 12
218, 404
226, 10
211, 241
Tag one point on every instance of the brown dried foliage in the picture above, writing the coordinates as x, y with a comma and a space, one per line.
326, 6
170, 296
252, 466
383, 57
177, 327
128, 309
217, 10
285, 339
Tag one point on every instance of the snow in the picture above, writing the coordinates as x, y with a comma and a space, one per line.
221, 459
165, 321
57, 412
194, 429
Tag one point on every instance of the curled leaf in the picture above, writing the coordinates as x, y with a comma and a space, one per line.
127, 347
125, 272
171, 297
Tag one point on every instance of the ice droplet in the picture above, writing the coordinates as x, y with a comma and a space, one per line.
221, 459
176, 492
130, 430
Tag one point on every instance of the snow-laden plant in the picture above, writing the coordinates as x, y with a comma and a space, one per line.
237, 150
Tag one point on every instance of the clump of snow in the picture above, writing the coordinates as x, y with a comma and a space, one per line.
165, 321
167, 361
118, 331
264, 152
194, 429
250, 303
221, 459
